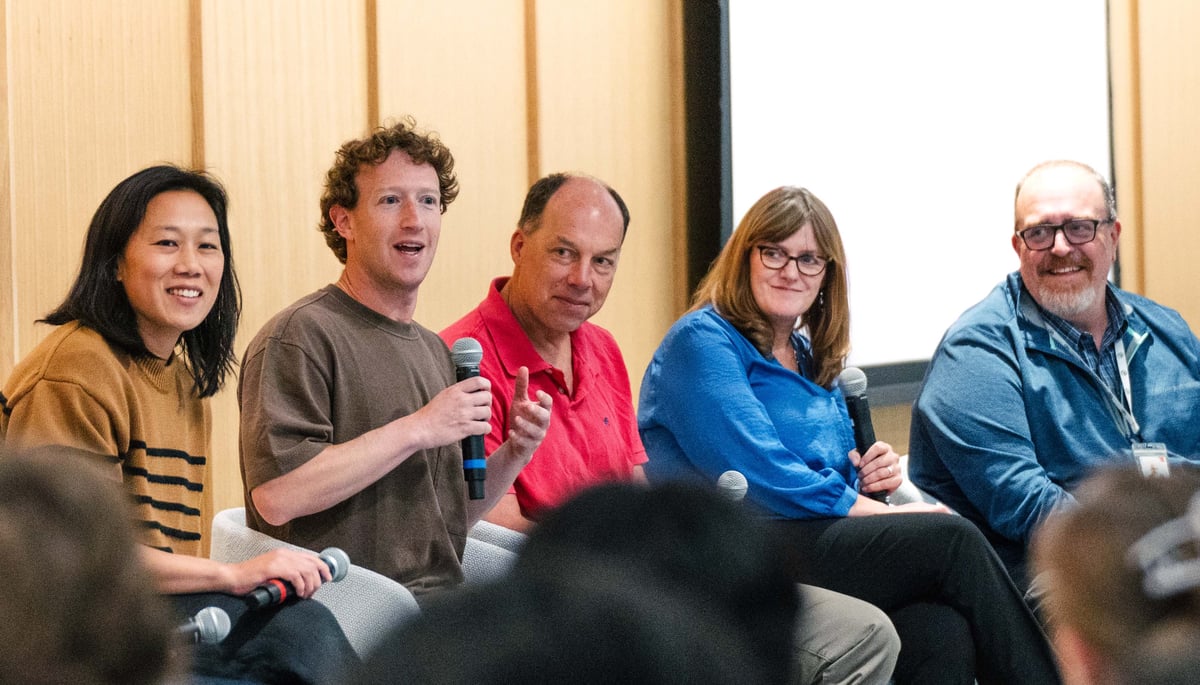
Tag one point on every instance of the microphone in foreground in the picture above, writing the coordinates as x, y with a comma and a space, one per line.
209, 626
732, 484
466, 353
854, 388
277, 591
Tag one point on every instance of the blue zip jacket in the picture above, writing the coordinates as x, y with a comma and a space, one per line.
1008, 421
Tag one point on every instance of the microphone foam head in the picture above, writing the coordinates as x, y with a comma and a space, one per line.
212, 625
466, 352
337, 560
732, 485
853, 381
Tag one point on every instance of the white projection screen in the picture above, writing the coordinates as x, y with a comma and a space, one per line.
913, 121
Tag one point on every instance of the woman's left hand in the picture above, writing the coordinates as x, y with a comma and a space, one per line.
878, 469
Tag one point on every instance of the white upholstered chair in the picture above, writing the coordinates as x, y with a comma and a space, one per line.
367, 604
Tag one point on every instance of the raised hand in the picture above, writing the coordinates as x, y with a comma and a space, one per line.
529, 419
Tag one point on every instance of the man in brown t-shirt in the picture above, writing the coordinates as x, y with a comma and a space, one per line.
351, 417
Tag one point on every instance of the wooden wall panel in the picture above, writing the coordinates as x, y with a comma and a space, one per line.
1125, 86
284, 84
604, 107
1169, 68
465, 79
8, 322
97, 91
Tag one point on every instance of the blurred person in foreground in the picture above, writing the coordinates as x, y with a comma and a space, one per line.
78, 607
1121, 577
622, 583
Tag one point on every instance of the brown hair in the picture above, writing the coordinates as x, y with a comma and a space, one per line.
342, 190
1093, 586
775, 217
78, 606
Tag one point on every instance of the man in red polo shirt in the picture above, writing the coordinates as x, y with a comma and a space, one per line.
565, 252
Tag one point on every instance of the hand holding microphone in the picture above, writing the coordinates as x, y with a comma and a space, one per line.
277, 590
466, 355
853, 382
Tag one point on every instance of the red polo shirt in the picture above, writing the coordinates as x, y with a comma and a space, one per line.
593, 434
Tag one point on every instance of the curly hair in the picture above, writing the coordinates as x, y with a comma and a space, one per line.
340, 181
773, 218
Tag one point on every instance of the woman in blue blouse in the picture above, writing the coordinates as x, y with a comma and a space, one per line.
744, 382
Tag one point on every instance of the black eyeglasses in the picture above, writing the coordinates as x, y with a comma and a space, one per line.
1076, 231
808, 263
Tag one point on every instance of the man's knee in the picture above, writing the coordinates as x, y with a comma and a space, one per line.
840, 639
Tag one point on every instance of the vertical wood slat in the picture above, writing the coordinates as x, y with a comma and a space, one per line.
8, 285
458, 68
1124, 68
97, 91
604, 107
1169, 69
284, 84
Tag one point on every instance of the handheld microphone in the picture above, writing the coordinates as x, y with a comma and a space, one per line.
466, 355
732, 484
277, 591
209, 626
854, 388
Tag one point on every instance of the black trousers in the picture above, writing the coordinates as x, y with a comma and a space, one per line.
959, 615
297, 642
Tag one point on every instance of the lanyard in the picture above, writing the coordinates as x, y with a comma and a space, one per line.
1122, 406
1123, 371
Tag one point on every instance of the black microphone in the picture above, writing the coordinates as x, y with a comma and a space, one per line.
854, 388
209, 626
466, 354
277, 591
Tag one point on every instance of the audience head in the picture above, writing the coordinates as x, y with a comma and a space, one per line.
77, 607
786, 222
585, 624
1070, 195
342, 188
159, 243
1096, 560
565, 252
677, 539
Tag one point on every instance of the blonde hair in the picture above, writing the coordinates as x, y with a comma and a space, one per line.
774, 218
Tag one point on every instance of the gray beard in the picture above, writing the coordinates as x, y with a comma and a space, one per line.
1069, 304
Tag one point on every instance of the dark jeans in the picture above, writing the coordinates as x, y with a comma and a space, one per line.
959, 615
297, 642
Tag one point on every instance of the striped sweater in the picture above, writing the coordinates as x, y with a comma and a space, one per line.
140, 414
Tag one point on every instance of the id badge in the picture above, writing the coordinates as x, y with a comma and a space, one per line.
1152, 458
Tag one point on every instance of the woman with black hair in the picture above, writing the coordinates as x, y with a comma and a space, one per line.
144, 337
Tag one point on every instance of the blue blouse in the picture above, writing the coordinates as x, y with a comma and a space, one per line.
711, 402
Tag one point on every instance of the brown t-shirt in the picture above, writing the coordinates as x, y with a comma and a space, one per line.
323, 372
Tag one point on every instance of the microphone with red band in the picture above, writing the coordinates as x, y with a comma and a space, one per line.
277, 591
466, 353
853, 382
